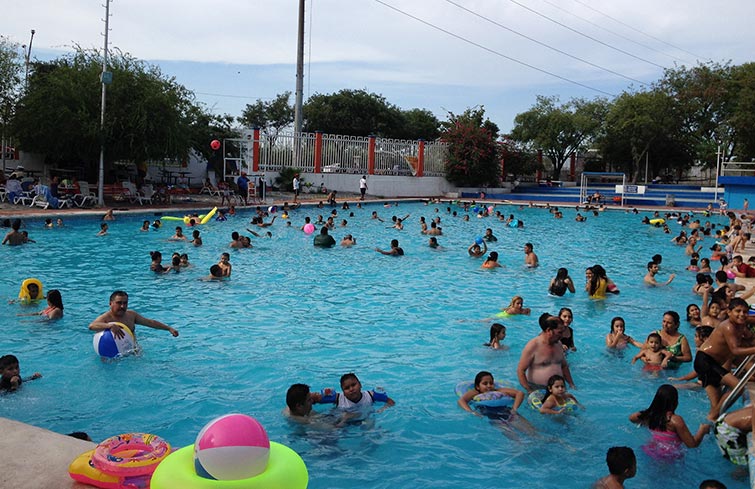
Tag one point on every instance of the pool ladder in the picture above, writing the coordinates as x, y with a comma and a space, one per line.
737, 391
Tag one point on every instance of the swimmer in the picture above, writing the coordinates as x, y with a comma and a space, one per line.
653, 355
179, 236
375, 216
491, 261
515, 306
157, 224
622, 465
10, 374
561, 283
497, 335
103, 229
120, 313
475, 251
156, 265
348, 241
196, 240
617, 338
489, 236
395, 250
543, 356
650, 276
530, 258
433, 243
483, 382
567, 338
216, 273
145, 226
556, 397
225, 265
54, 309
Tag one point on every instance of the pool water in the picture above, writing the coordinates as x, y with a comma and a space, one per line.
413, 325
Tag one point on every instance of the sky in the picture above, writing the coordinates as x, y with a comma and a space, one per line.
439, 55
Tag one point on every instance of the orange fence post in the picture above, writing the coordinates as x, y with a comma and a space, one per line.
256, 150
318, 152
371, 155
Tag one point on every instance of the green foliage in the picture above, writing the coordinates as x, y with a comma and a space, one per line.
285, 179
517, 159
11, 68
270, 116
473, 158
419, 124
559, 130
148, 116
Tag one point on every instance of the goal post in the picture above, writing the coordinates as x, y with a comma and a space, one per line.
589, 181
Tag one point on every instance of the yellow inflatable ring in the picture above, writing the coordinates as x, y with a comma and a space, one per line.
535, 400
130, 454
23, 293
285, 470
657, 221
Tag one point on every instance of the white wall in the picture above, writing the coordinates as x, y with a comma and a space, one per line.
378, 185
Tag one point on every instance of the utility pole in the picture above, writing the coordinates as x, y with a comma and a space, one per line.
299, 72
106, 78
27, 59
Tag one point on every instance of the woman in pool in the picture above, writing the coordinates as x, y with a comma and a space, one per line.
567, 337
595, 285
561, 283
617, 338
491, 261
54, 309
515, 307
484, 384
668, 429
673, 340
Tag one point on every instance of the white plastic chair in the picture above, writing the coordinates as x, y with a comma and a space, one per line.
85, 196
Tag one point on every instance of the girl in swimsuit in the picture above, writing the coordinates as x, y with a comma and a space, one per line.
54, 309
693, 315
557, 399
617, 338
497, 335
668, 429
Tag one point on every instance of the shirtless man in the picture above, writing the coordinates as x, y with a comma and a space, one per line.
543, 356
120, 313
732, 338
14, 237
530, 258
650, 276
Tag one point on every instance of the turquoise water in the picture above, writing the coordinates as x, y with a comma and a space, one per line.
413, 325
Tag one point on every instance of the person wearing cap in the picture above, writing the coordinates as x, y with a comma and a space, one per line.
243, 183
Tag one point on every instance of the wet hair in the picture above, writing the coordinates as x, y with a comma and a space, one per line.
394, 243
80, 435
711, 484
620, 460
195, 234
613, 321
117, 293
495, 329
54, 298
690, 306
548, 322
704, 278
666, 401
703, 332
8, 360
296, 394
155, 255
721, 276
481, 375
215, 271
514, 299
345, 377
656, 336
738, 302
674, 315
493, 256
552, 380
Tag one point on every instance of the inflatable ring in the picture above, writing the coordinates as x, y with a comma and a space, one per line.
23, 293
493, 398
285, 470
657, 221
130, 454
535, 400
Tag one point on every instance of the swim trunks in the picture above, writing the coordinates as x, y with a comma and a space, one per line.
708, 370
731, 442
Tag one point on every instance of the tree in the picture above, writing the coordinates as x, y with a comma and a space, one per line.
559, 130
636, 122
352, 113
271, 117
148, 117
420, 124
473, 158
742, 116
517, 159
10, 84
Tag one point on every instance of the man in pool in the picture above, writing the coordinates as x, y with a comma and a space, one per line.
650, 276
543, 356
120, 313
530, 258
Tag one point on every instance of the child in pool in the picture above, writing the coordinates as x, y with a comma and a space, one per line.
352, 397
225, 265
54, 309
567, 337
145, 226
669, 430
653, 355
556, 398
617, 338
497, 334
10, 374
103, 229
156, 265
515, 307
196, 239
484, 383
693, 315
622, 465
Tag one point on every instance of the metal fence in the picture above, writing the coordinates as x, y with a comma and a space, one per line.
337, 154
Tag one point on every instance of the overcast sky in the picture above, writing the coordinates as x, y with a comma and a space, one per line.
440, 55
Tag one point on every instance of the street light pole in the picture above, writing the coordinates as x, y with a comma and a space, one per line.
28, 60
105, 78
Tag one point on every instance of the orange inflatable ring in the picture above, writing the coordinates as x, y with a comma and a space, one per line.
145, 451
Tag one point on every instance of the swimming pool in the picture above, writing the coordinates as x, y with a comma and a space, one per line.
292, 313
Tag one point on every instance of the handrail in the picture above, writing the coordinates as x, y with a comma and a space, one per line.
737, 391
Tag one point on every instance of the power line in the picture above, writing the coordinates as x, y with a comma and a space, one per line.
468, 41
544, 44
249, 97
595, 24
641, 32
585, 35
